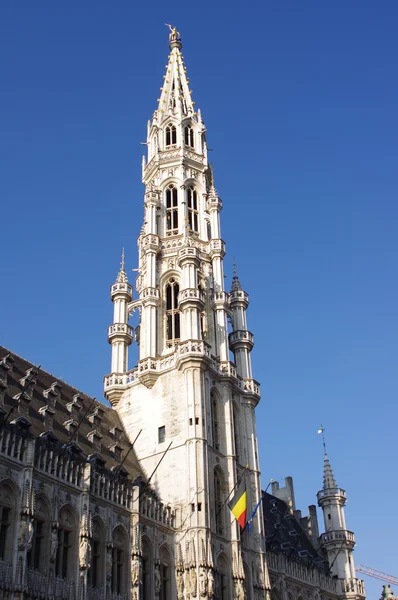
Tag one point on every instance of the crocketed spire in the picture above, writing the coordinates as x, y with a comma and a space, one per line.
236, 285
122, 275
329, 481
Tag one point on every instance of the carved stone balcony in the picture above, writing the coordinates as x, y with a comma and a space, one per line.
191, 295
241, 338
220, 300
149, 295
217, 248
332, 492
150, 242
339, 535
237, 297
353, 586
116, 383
121, 289
120, 330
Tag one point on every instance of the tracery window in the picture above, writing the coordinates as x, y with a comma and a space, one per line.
39, 551
119, 558
96, 570
171, 135
165, 582
172, 312
171, 210
192, 202
189, 136
66, 544
214, 420
222, 578
146, 571
7, 519
219, 500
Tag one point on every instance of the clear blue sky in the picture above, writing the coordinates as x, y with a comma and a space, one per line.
300, 101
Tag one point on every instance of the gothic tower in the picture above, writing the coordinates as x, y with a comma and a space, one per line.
186, 391
337, 541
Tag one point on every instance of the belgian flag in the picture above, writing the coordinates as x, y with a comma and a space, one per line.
238, 504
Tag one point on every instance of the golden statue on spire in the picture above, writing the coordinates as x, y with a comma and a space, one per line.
174, 35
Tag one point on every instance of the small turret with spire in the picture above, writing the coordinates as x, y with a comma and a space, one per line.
337, 541
240, 339
120, 333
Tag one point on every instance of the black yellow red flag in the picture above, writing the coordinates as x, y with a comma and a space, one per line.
238, 504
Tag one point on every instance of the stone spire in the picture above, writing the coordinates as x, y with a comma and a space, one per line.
329, 481
175, 92
236, 285
122, 275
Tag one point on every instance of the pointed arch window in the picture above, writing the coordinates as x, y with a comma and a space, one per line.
171, 135
171, 210
119, 558
146, 571
214, 421
192, 203
96, 570
172, 312
189, 136
219, 500
236, 431
38, 553
66, 543
165, 575
8, 502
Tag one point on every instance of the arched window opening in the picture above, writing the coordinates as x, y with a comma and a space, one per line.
208, 230
146, 571
192, 202
8, 502
171, 135
171, 210
39, 550
165, 575
66, 544
219, 500
96, 567
119, 558
189, 136
236, 432
172, 312
214, 421
222, 578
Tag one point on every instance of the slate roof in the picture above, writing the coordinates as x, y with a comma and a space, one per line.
101, 431
283, 534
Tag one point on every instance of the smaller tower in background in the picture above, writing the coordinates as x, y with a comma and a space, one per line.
337, 541
120, 333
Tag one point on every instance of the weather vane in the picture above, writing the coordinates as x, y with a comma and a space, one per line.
321, 430
122, 262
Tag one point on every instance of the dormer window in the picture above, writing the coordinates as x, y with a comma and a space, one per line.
171, 210
171, 135
188, 136
192, 203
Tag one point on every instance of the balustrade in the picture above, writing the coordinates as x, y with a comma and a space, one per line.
45, 585
120, 328
59, 463
338, 535
6, 578
12, 442
152, 508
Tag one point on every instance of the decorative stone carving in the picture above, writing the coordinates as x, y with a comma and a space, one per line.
54, 545
136, 576
180, 585
210, 584
158, 581
203, 582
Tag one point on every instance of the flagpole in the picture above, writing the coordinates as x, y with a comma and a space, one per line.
250, 519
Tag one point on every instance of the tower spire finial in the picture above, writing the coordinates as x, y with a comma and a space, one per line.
174, 37
122, 275
322, 430
234, 265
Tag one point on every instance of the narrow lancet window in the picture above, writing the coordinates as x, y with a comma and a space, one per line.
171, 135
172, 312
192, 203
189, 136
171, 210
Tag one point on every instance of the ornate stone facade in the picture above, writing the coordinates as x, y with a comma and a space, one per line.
130, 502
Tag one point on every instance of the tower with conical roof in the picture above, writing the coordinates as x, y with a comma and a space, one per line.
337, 541
192, 389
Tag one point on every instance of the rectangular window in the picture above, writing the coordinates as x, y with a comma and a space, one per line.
161, 434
